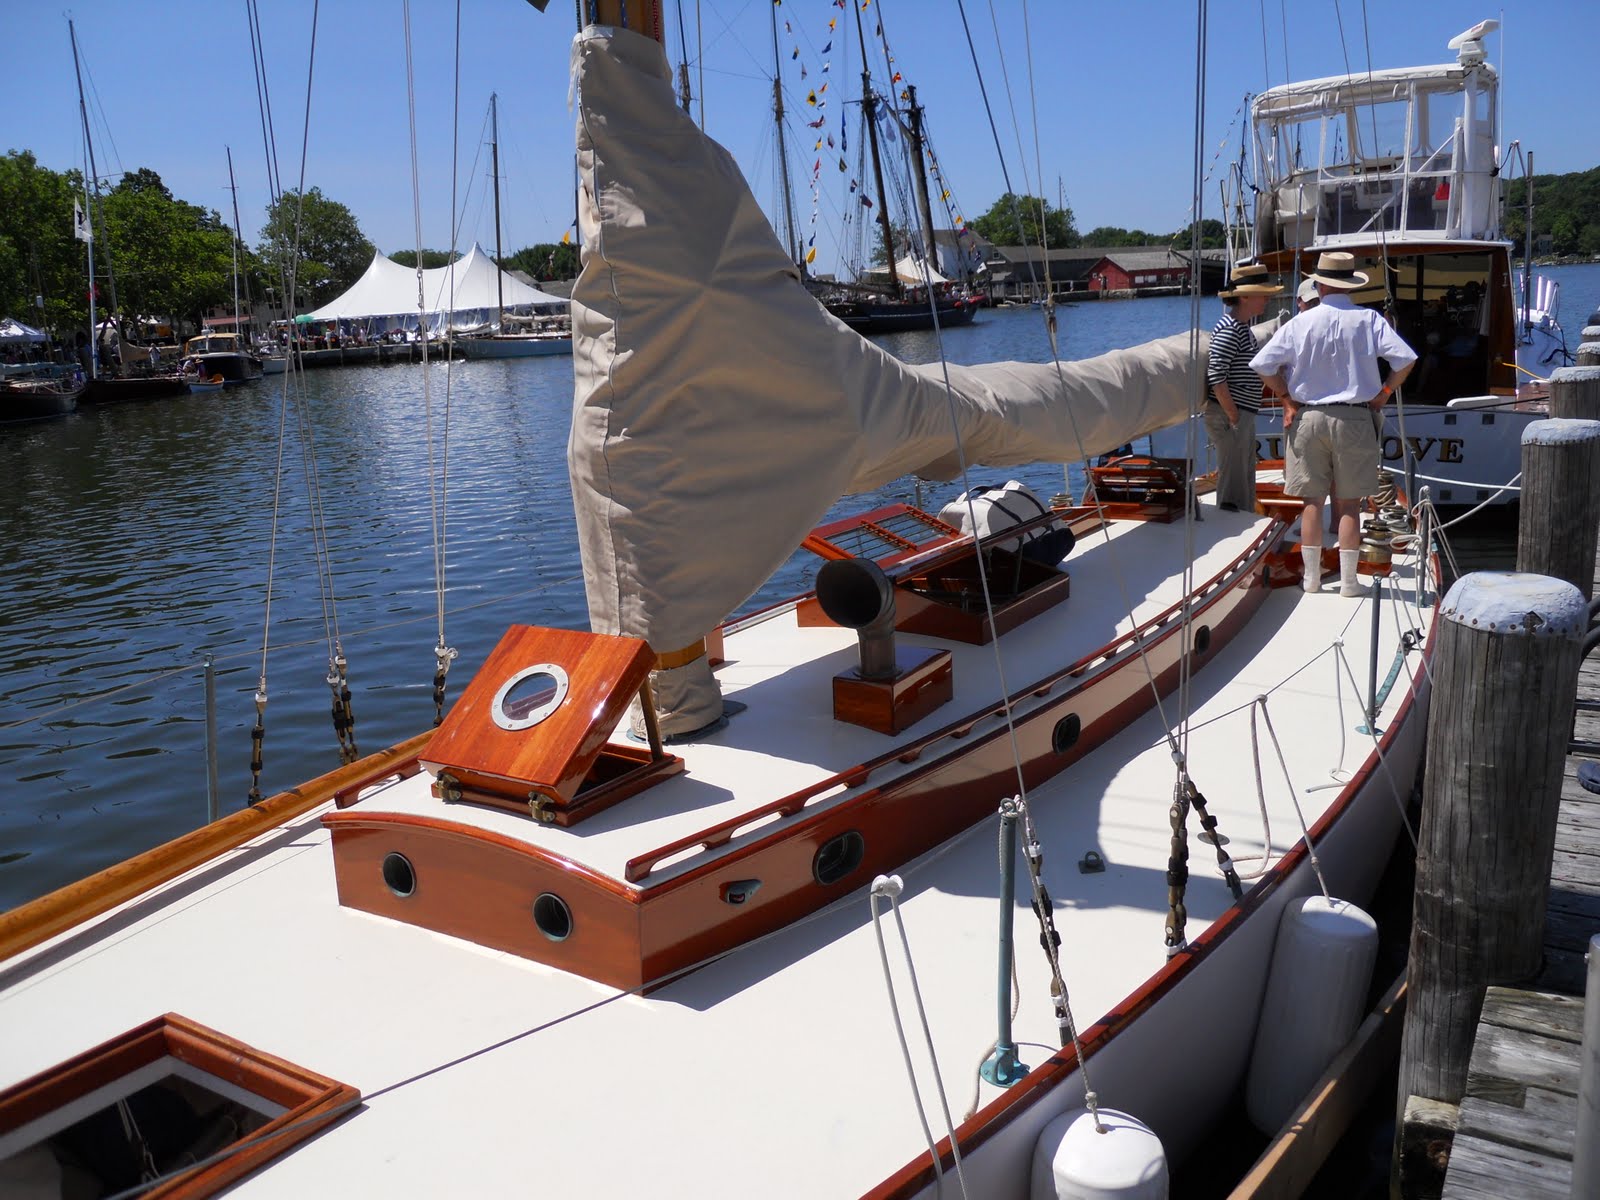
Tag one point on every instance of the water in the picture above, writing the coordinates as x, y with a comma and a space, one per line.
135, 540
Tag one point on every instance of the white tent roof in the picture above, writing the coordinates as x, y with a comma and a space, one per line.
389, 290
910, 270
12, 330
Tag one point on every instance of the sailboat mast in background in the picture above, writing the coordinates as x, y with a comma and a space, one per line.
869, 105
919, 176
791, 235
494, 158
89, 175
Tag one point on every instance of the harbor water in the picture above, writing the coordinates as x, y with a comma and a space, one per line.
139, 540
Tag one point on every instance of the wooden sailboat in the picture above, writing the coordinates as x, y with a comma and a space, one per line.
651, 963
106, 382
904, 301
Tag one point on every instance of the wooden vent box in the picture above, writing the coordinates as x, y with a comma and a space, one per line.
530, 733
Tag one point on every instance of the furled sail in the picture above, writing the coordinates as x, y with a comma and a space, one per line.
719, 410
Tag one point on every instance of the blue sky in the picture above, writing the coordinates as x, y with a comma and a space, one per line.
1111, 92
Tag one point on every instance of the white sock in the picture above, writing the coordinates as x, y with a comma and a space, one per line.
1349, 572
1312, 557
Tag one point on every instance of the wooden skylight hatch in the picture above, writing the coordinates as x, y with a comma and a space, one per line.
170, 1100
530, 732
936, 571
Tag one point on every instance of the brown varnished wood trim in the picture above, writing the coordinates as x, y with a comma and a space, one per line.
1003, 1109
481, 886
341, 821
1157, 628
310, 1100
29, 924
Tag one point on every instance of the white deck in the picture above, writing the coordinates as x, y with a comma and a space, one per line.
775, 1071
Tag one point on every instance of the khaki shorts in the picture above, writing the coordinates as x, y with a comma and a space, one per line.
1331, 450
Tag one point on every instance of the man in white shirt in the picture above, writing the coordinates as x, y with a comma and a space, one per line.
1324, 363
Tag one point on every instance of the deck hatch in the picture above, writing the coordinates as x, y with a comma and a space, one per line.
166, 1093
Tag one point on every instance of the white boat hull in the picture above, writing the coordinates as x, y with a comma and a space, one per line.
1465, 455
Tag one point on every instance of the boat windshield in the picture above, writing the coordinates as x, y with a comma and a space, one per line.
1410, 152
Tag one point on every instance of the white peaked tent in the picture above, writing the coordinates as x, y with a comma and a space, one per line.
910, 270
13, 331
462, 295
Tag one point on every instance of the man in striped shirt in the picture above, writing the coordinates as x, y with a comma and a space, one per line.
1234, 396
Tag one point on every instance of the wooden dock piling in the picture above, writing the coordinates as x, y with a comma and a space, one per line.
1559, 517
1588, 354
1575, 392
1504, 680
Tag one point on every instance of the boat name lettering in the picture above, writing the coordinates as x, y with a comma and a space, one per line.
1448, 449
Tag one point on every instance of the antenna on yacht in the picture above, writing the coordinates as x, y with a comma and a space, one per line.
1469, 45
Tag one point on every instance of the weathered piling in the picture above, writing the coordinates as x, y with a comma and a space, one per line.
1504, 681
1559, 517
1575, 392
1588, 354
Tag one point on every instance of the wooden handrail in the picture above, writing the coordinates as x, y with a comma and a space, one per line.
27, 925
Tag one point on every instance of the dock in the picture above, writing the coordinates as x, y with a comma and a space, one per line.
1514, 1135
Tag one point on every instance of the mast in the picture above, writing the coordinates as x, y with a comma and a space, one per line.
494, 149
1527, 256
684, 97
793, 241
83, 113
919, 178
233, 188
869, 105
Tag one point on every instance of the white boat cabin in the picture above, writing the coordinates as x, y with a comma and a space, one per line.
1346, 158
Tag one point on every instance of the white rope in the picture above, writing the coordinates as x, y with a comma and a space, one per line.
1511, 485
1294, 797
889, 887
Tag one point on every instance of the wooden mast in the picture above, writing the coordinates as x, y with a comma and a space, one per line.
869, 106
919, 176
793, 240
641, 16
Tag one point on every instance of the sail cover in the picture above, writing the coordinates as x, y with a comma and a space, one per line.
719, 410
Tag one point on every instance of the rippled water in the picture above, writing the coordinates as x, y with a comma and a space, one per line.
137, 539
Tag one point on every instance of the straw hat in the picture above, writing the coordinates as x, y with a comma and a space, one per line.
1308, 293
1250, 279
1337, 269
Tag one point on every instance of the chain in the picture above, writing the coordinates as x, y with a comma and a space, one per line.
257, 736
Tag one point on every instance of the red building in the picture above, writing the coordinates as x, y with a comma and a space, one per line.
1138, 271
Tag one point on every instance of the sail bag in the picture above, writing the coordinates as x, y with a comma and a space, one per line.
719, 410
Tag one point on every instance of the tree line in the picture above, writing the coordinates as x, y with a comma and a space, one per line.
1032, 221
1566, 208
159, 256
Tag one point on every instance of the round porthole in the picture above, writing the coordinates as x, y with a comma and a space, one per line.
838, 856
529, 696
1202, 639
1065, 735
398, 874
553, 917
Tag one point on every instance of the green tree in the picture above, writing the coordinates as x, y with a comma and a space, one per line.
39, 256
430, 258
333, 251
545, 261
1564, 234
900, 237
1000, 224
170, 258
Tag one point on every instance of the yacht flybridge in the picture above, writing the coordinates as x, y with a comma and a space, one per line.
1400, 168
